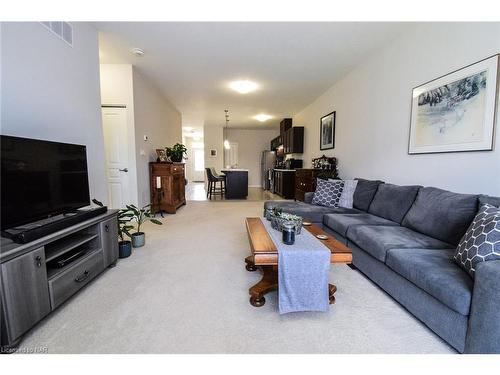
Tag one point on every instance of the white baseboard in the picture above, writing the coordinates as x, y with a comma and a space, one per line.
255, 186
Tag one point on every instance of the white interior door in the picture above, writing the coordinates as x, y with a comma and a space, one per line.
114, 122
231, 155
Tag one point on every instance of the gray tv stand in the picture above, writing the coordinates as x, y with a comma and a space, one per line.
33, 285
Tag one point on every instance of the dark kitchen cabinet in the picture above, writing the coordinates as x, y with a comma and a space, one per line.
293, 140
275, 143
284, 183
285, 124
305, 181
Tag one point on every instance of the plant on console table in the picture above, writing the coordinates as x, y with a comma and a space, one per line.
177, 152
141, 215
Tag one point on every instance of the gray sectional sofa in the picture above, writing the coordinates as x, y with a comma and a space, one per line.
403, 238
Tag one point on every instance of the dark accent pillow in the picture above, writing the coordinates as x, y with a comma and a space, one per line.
441, 214
364, 193
481, 242
328, 192
392, 202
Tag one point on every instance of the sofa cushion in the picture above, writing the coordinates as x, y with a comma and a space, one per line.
441, 214
481, 242
340, 223
364, 193
347, 196
392, 202
308, 211
377, 240
435, 272
328, 192
494, 201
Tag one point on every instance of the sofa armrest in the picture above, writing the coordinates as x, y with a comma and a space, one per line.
483, 333
308, 197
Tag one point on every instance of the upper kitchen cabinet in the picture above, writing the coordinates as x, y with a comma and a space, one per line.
293, 140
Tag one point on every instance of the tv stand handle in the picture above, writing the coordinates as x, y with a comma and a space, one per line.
84, 276
38, 261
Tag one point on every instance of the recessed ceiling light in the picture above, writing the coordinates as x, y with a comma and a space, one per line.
137, 52
244, 86
262, 117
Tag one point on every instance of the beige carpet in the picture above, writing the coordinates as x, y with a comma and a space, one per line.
186, 291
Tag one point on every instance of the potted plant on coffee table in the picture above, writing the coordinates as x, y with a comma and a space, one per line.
177, 152
141, 215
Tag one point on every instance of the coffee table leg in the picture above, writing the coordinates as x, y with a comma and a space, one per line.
250, 264
331, 291
268, 283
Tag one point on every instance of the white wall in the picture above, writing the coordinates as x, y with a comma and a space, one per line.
213, 139
148, 113
157, 118
251, 143
117, 89
50, 90
373, 111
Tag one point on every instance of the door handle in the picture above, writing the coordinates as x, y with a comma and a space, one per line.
123, 170
38, 261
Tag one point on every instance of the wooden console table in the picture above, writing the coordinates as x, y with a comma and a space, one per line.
167, 187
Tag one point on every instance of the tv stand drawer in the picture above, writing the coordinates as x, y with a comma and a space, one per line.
68, 282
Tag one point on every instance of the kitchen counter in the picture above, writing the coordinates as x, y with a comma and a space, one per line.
234, 170
236, 183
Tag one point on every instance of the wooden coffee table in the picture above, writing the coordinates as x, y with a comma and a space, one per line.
265, 257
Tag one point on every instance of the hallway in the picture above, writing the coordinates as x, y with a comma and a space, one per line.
195, 191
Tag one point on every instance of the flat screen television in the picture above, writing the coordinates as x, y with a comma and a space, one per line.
41, 179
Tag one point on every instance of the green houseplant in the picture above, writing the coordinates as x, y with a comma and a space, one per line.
176, 152
141, 215
124, 227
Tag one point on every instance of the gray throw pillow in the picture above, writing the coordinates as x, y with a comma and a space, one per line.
481, 242
347, 196
328, 192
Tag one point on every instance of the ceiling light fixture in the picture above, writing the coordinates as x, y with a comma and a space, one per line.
227, 145
262, 117
139, 52
243, 86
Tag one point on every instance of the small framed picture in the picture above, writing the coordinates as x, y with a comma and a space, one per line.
161, 155
327, 131
213, 153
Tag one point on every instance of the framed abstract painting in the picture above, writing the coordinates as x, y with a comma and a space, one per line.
456, 112
327, 132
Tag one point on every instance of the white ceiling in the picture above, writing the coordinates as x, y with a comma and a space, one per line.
192, 63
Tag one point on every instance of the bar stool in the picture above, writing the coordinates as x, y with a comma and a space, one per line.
212, 179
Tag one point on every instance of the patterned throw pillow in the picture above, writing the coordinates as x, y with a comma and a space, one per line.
328, 192
481, 242
347, 196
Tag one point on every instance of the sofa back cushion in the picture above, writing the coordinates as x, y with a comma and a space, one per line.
392, 202
364, 193
494, 201
441, 214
